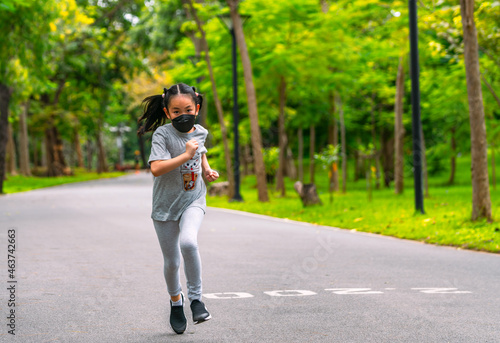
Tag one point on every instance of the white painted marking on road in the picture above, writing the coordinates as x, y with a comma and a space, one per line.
435, 290
340, 291
298, 293
229, 295
354, 291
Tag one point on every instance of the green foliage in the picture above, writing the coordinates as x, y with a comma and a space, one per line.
271, 156
25, 30
328, 156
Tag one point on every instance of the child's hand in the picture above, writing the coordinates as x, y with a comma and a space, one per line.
211, 175
191, 147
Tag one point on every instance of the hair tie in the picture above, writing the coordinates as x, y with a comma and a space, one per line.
163, 95
196, 94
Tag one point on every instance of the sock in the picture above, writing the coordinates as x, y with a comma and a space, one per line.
177, 303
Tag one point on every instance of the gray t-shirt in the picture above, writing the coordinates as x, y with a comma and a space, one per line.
184, 186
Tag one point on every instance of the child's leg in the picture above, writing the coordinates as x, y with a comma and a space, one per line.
168, 237
190, 223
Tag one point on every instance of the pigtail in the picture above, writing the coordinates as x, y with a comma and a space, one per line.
153, 115
198, 98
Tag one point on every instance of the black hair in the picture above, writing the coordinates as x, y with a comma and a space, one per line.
154, 116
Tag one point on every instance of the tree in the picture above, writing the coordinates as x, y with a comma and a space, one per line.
218, 104
252, 102
481, 203
280, 182
328, 159
24, 27
343, 143
399, 131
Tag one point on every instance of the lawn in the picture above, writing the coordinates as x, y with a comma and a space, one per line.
19, 183
446, 220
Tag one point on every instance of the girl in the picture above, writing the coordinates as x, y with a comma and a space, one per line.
178, 156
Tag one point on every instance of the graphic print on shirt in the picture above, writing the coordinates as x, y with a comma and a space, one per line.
189, 171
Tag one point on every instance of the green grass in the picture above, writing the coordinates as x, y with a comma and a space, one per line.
19, 183
446, 222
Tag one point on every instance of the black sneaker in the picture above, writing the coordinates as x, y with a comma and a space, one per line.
200, 312
178, 321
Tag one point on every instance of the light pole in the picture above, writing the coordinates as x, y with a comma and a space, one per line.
415, 103
226, 20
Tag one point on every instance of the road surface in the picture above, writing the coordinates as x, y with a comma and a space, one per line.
88, 268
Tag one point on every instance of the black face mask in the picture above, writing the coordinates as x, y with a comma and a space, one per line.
184, 122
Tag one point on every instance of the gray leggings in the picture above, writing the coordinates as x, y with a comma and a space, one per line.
176, 237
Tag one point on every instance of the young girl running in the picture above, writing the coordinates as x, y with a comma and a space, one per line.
178, 157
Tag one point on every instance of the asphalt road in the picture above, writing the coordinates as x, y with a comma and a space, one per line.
88, 268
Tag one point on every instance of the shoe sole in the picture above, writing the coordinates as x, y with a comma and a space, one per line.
202, 321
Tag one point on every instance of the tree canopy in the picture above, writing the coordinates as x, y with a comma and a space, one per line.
85, 66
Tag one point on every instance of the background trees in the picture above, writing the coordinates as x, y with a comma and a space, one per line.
324, 72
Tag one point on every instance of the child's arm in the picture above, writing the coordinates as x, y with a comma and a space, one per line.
160, 167
210, 174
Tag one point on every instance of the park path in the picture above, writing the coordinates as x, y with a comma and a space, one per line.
89, 269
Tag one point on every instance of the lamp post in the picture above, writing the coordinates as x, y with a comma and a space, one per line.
415, 103
228, 23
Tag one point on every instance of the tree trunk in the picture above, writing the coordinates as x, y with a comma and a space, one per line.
142, 151
291, 171
324, 6
78, 149
308, 194
312, 149
388, 156
11, 152
493, 169
24, 155
54, 150
102, 165
332, 173
34, 148
253, 114
89, 154
53, 142
101, 153
338, 101
280, 182
247, 159
453, 160
335, 172
376, 153
368, 173
5, 94
218, 104
399, 130
333, 139
357, 163
481, 202
301, 154
43, 151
